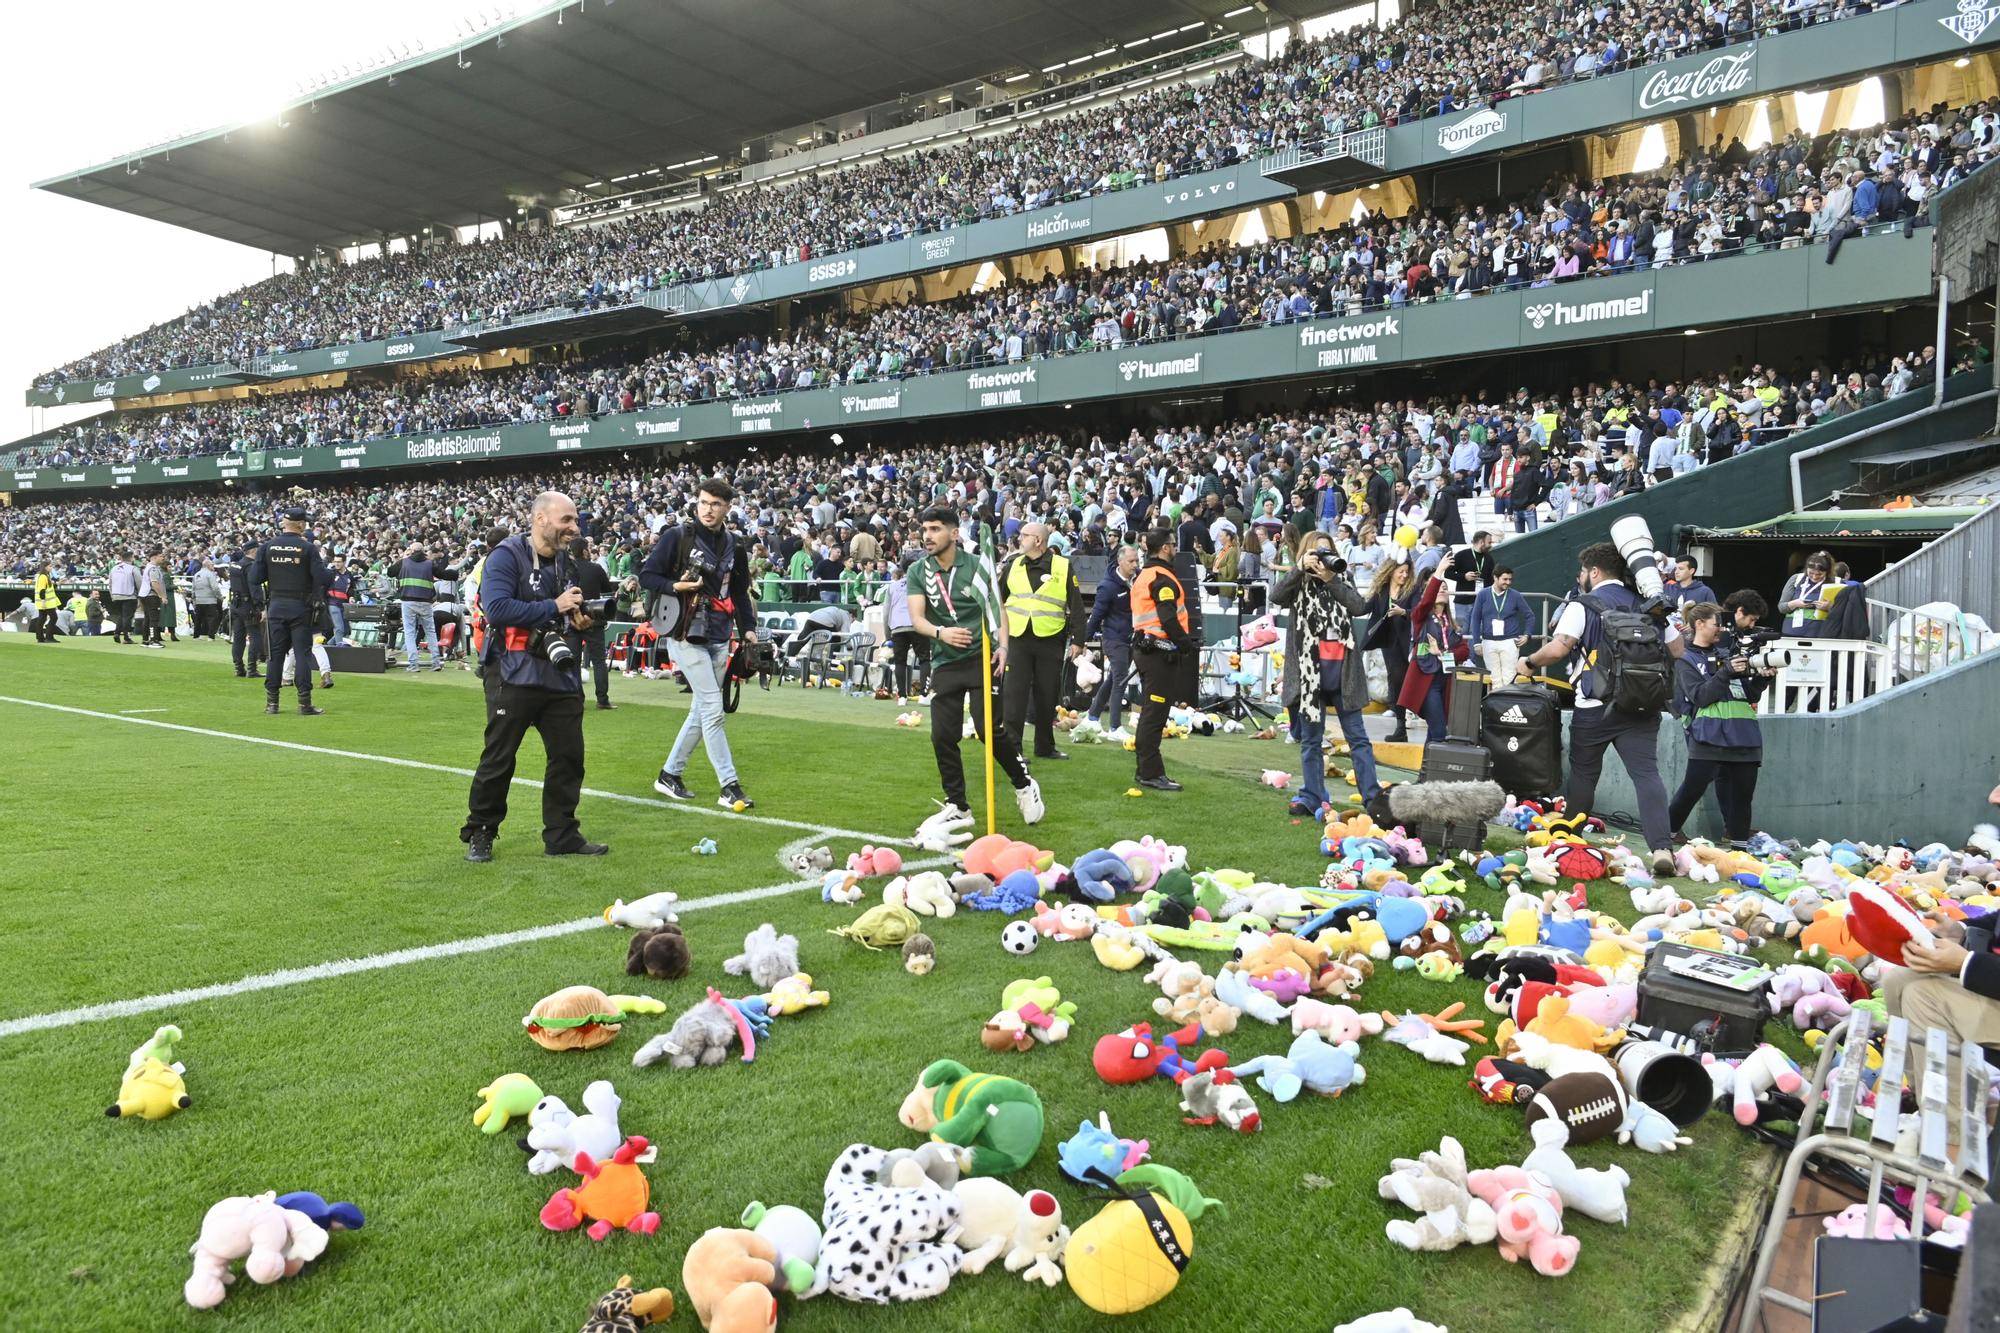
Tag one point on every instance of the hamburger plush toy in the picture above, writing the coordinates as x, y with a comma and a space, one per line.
575, 1018
1133, 1252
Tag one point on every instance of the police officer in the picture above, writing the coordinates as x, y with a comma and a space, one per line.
1045, 620
1165, 652
246, 613
291, 573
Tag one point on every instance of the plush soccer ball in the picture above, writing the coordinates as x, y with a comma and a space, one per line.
1019, 937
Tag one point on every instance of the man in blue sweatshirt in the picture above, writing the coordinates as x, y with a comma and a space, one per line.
1111, 615
1501, 623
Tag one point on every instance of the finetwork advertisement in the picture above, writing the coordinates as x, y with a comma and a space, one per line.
1011, 386
757, 415
1337, 344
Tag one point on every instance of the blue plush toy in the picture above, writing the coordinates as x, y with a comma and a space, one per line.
1096, 1156
328, 1216
756, 1012
1571, 935
1102, 875
1312, 1065
1016, 893
1401, 917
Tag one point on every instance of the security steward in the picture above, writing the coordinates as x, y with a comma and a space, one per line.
246, 613
1045, 620
531, 673
48, 600
595, 584
1165, 651
292, 575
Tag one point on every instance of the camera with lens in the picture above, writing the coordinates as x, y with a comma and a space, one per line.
1755, 647
1324, 557
549, 642
1634, 541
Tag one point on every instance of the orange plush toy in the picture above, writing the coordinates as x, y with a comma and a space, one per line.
728, 1276
1829, 931
613, 1196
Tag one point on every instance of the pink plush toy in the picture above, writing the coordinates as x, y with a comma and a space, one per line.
1853, 1221
875, 861
273, 1242
1336, 1022
1527, 1212
1283, 985
1275, 777
1610, 1007
1811, 995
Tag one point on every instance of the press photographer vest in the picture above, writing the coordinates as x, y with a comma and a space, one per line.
533, 579
1043, 608
1730, 722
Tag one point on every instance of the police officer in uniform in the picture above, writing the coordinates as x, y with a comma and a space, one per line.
246, 613
291, 573
1044, 611
1165, 652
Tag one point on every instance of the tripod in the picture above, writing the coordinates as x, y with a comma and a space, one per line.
1236, 705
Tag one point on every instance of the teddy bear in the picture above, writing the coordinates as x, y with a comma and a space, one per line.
727, 1275
926, 893
1434, 1184
1282, 953
1527, 1218
661, 953
767, 957
272, 1241
886, 1219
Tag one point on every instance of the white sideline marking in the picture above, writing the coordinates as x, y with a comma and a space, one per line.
298, 976
127, 712
813, 830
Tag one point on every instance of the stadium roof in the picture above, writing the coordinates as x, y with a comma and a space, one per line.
581, 91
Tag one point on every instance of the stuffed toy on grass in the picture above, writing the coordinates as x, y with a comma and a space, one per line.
728, 1275
1594, 1193
613, 1197
624, 1310
767, 957
702, 1035
919, 956
1398, 1320
660, 952
795, 1236
557, 1134
926, 893
1527, 1219
575, 1018
995, 1123
887, 1218
152, 1088
1312, 1064
1096, 1156
794, 995
272, 1242
1434, 1185
1338, 1023
509, 1097
647, 913
1213, 1096
1132, 1253
1024, 1231
328, 1217
883, 926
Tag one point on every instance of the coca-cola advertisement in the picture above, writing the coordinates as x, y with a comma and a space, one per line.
1699, 79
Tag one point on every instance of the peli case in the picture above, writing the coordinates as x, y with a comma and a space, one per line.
1449, 760
1720, 1001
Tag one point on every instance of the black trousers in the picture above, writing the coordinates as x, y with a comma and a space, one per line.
45, 625
594, 653
1158, 687
245, 631
207, 619
510, 711
954, 686
1636, 737
905, 644
155, 618
1735, 788
121, 616
1031, 686
289, 630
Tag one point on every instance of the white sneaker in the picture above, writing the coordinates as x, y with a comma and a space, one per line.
1117, 736
1029, 798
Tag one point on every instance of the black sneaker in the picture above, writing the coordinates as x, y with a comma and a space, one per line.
307, 710
578, 849
1050, 754
272, 707
479, 847
733, 796
240, 672
606, 705
670, 784
1160, 784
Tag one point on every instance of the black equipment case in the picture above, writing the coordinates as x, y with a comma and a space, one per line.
1521, 727
1703, 1004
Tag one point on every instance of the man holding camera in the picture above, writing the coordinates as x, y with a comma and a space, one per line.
701, 578
594, 582
1718, 680
530, 669
1623, 679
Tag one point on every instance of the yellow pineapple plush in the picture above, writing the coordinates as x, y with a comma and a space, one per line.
1131, 1254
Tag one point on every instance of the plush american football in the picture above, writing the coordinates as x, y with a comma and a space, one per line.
1591, 1104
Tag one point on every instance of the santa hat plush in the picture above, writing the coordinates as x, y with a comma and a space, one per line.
1882, 923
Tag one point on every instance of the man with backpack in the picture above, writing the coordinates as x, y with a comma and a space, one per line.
1621, 662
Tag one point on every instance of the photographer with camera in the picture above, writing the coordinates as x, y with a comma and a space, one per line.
594, 581
1718, 681
535, 618
700, 578
1619, 645
1324, 670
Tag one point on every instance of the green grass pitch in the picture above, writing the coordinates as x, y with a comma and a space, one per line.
141, 860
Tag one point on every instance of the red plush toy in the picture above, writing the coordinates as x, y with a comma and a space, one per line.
1577, 861
1883, 923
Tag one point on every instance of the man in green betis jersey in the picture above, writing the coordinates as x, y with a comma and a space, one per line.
952, 594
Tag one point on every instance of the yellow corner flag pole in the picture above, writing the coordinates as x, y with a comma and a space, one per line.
986, 703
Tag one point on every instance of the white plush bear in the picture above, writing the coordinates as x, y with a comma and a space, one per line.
926, 893
557, 1134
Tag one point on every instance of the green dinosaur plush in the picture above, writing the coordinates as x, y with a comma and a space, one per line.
1040, 992
995, 1122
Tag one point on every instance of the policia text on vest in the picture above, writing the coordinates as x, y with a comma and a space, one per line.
1045, 620
289, 570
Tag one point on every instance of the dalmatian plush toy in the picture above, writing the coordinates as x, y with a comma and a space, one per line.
887, 1215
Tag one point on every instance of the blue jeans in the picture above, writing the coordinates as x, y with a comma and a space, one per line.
1311, 736
704, 665
415, 614
1527, 519
339, 614
1111, 690
1433, 710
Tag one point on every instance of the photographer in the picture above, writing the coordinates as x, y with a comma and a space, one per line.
1324, 670
1717, 684
595, 583
1597, 668
701, 578
530, 672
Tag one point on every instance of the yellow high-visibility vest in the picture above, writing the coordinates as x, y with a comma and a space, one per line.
1042, 609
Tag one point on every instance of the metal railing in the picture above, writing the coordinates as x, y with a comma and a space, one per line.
1962, 567
1920, 640
1370, 146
